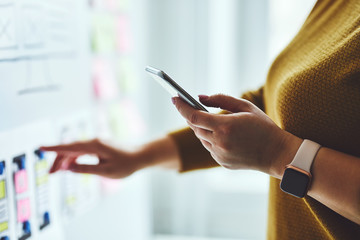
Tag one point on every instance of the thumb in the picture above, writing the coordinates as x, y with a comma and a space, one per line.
225, 102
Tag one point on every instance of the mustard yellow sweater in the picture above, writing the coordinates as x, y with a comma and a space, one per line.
312, 91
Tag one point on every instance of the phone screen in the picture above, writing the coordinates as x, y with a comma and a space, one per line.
173, 88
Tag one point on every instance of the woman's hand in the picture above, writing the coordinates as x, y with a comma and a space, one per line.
244, 139
113, 163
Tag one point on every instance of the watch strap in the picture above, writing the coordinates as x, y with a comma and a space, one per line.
306, 154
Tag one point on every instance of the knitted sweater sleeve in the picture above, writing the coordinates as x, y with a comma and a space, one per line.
192, 154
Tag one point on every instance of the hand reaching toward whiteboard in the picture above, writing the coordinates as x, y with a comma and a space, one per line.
114, 162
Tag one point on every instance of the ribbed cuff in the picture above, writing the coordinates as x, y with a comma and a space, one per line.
192, 153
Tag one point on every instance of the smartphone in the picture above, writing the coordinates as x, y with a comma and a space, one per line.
173, 88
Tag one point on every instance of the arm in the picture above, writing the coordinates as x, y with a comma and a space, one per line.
161, 152
336, 178
256, 97
248, 139
179, 150
115, 162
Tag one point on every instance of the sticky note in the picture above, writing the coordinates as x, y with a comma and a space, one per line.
4, 226
23, 210
4, 211
126, 76
103, 34
2, 189
41, 180
41, 165
123, 35
70, 200
105, 86
21, 181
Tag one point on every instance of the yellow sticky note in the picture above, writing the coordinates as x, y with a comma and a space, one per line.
4, 226
2, 189
70, 200
126, 76
103, 33
41, 165
42, 179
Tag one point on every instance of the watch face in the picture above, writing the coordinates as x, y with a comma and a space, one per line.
295, 183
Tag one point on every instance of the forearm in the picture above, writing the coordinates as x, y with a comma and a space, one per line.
335, 181
160, 152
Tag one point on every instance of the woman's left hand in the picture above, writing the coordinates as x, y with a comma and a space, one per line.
246, 138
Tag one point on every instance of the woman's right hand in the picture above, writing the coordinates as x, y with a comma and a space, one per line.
113, 162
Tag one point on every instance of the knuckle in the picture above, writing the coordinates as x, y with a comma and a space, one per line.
222, 136
178, 107
99, 144
96, 141
196, 130
249, 117
194, 118
223, 141
225, 145
245, 101
220, 97
226, 129
246, 105
108, 170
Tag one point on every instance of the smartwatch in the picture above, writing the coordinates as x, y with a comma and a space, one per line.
297, 177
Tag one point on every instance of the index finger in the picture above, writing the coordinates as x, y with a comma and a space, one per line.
87, 168
195, 117
90, 146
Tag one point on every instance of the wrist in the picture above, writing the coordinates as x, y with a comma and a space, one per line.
143, 157
286, 152
161, 152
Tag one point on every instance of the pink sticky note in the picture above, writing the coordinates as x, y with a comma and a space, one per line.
104, 80
23, 210
21, 181
123, 35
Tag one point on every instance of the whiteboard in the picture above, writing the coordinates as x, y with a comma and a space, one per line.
44, 60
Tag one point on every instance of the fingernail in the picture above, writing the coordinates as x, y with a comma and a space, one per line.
64, 166
203, 97
173, 99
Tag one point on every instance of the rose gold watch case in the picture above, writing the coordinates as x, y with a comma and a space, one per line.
302, 172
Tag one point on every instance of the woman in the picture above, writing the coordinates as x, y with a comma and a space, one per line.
312, 92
